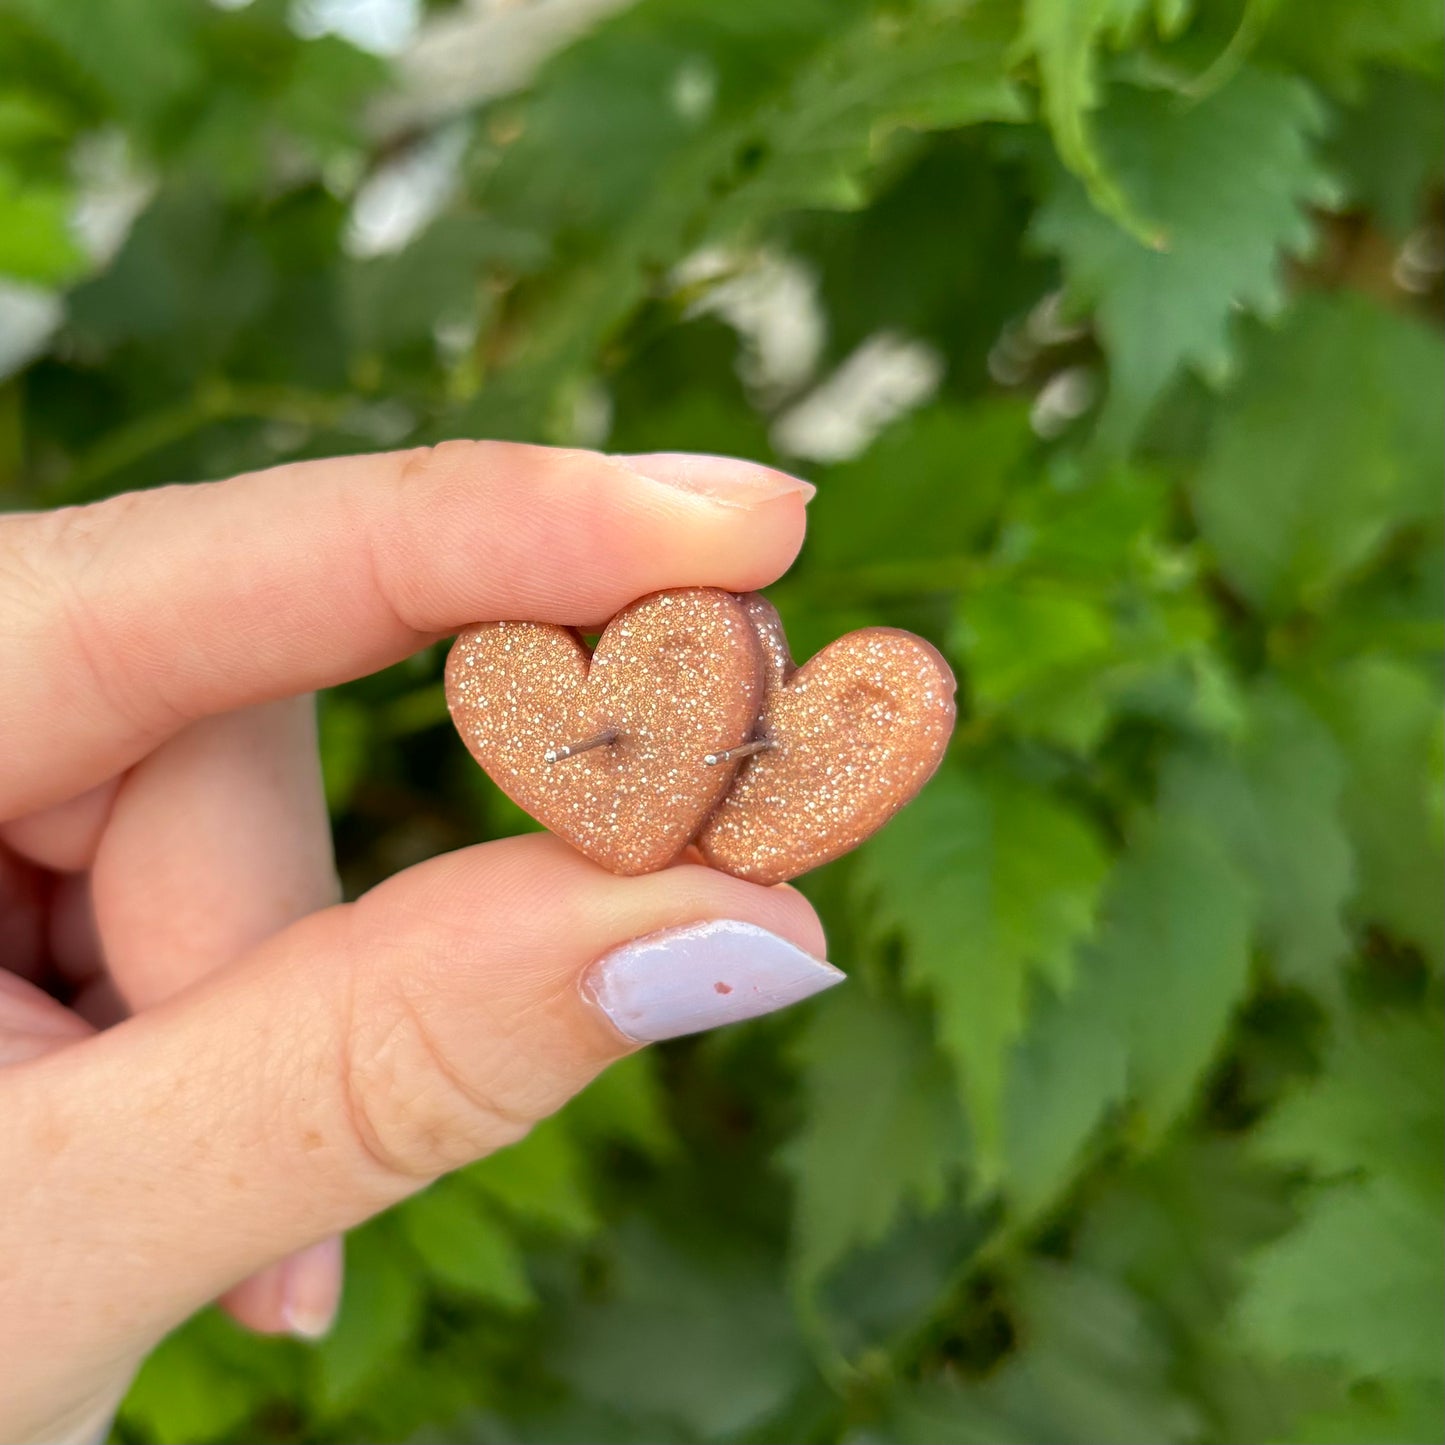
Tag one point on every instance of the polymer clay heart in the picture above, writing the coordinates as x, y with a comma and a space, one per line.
854, 734
675, 677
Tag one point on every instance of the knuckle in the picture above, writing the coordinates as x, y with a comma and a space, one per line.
413, 1111
435, 489
533, 526
54, 574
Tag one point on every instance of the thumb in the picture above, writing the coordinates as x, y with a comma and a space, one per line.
344, 1064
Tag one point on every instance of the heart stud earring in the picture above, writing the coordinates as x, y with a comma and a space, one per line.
606, 747
842, 743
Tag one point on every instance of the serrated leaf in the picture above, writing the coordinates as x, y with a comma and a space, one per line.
1358, 1281
1329, 445
954, 463
1173, 956
1088, 1369
1225, 230
1065, 37
465, 1246
1035, 649
1177, 1227
625, 1103
882, 1130
1336, 39
1390, 148
659, 132
1064, 1075
875, 1296
990, 883
1084, 527
1386, 717
940, 68
700, 1338
539, 1181
1377, 1107
1085, 612
1152, 997
1277, 799
381, 1306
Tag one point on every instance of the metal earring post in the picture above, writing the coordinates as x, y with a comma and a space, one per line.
743, 750
570, 750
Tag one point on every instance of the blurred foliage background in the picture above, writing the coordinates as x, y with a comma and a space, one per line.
1111, 333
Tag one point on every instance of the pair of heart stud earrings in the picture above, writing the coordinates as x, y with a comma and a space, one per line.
689, 724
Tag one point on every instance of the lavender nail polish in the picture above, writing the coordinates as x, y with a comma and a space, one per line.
689, 979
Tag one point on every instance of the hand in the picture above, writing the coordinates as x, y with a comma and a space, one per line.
247, 1068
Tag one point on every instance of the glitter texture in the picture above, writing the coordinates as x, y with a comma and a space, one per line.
856, 732
678, 674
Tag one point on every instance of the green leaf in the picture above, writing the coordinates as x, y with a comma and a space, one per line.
1177, 1227
1069, 1069
1278, 802
465, 1246
626, 1103
1036, 649
1360, 1278
381, 1307
1358, 1281
1376, 1414
1329, 445
36, 243
346, 739
698, 1337
1377, 1107
1065, 36
186, 1393
186, 281
539, 1181
1090, 527
678, 122
439, 278
1089, 1369
1336, 39
990, 882
1386, 717
141, 54
1225, 230
1151, 999
1173, 956
940, 67
1390, 149
1085, 612
929, 487
875, 1297
881, 1131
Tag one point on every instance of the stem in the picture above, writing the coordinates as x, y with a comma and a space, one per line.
212, 402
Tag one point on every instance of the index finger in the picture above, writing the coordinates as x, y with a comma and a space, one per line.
123, 621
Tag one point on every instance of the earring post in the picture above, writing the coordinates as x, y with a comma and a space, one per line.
564, 751
743, 750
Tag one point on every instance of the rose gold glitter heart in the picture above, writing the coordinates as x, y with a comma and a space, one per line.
677, 675
856, 733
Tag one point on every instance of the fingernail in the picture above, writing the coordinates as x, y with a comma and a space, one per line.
700, 977
723, 479
311, 1289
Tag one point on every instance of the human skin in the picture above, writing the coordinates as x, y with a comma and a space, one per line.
209, 1067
